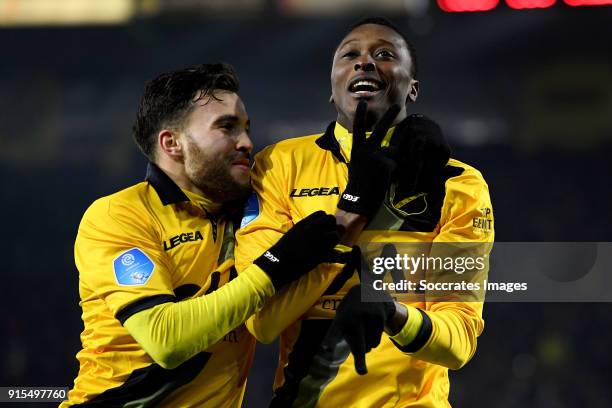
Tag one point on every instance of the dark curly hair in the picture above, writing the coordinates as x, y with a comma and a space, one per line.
169, 98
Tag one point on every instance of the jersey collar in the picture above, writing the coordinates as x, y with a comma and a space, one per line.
166, 189
328, 141
170, 193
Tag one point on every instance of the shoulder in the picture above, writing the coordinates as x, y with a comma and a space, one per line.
129, 203
467, 212
287, 157
465, 177
289, 147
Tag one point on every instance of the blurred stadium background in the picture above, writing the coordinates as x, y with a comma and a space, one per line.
525, 95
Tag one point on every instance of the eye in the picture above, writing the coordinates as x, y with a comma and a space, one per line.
384, 54
349, 54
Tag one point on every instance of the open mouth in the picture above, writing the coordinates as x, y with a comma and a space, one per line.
365, 86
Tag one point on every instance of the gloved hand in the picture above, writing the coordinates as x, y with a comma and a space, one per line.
421, 152
310, 242
370, 167
362, 323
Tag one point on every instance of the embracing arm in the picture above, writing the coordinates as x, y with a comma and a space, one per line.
173, 332
447, 331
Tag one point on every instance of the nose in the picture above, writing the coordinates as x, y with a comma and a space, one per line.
244, 143
365, 63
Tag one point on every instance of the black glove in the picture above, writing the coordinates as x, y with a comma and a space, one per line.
421, 152
309, 243
362, 323
370, 168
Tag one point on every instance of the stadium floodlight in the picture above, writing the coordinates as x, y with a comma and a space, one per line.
65, 12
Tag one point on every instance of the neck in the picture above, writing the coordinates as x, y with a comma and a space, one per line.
176, 172
346, 120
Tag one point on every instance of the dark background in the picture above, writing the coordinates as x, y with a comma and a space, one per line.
524, 95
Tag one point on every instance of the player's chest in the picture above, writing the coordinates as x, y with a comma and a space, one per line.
315, 185
198, 251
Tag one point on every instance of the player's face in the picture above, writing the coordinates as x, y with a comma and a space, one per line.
372, 63
218, 147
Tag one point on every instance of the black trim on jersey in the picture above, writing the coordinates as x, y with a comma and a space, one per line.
186, 291
328, 141
166, 189
233, 273
142, 304
215, 278
300, 360
148, 386
342, 257
421, 338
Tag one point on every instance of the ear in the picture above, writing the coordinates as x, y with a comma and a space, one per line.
170, 144
331, 99
414, 91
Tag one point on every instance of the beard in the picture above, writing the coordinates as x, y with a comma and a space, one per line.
211, 174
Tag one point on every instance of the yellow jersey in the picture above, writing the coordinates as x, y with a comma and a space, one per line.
296, 177
144, 246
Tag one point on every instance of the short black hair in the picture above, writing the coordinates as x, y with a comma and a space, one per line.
387, 23
169, 98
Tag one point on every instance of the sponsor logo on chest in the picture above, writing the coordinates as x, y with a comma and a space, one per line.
313, 192
181, 239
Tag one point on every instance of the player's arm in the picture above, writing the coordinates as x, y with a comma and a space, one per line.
267, 219
172, 331
446, 332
